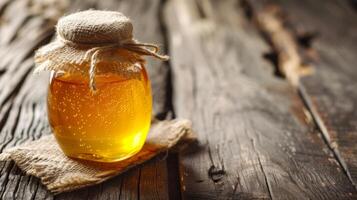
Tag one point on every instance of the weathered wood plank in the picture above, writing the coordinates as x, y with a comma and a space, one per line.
255, 142
23, 108
330, 92
18, 99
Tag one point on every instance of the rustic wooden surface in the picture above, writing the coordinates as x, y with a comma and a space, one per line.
327, 33
331, 91
23, 111
258, 137
254, 140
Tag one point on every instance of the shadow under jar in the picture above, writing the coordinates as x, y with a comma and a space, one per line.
106, 125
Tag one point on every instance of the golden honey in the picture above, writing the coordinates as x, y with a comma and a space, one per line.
107, 125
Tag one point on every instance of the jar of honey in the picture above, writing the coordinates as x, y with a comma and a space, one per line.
99, 97
109, 124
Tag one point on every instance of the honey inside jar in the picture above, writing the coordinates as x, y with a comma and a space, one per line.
107, 125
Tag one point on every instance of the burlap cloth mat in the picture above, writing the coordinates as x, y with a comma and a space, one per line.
44, 159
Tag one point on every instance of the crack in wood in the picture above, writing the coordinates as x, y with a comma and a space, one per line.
138, 184
216, 173
3, 5
235, 186
17, 184
292, 50
11, 165
324, 132
2, 71
247, 9
290, 53
120, 188
272, 57
306, 39
174, 182
35, 192
5, 116
269, 188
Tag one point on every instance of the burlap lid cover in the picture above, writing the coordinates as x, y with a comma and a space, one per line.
89, 37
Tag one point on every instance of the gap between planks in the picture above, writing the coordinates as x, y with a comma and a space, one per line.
294, 58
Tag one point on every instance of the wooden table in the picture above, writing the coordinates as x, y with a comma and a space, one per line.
270, 86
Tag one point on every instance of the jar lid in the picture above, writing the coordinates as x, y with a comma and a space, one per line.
95, 27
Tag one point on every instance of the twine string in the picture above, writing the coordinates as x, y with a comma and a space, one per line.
95, 50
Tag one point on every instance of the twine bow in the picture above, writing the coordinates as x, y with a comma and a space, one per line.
131, 45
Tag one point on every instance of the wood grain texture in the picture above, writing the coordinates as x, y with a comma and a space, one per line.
22, 110
255, 140
330, 92
23, 107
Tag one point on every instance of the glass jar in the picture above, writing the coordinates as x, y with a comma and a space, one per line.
106, 125
99, 98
